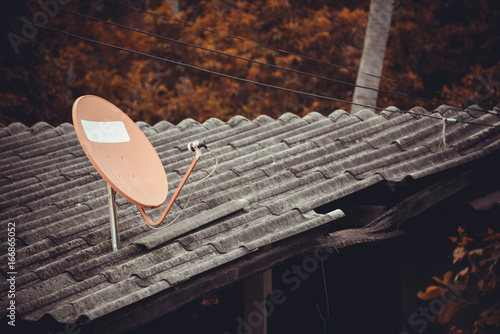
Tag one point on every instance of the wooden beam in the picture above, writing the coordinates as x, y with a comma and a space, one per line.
388, 224
256, 289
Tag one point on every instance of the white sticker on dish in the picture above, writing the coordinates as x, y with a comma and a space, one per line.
106, 132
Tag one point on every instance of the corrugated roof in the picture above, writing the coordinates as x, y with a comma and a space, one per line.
272, 175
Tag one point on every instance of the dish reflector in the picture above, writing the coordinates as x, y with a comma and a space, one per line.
120, 151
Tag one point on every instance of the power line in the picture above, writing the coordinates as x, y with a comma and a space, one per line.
246, 59
242, 58
440, 118
196, 67
437, 102
284, 51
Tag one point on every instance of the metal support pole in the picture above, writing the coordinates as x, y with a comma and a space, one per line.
113, 219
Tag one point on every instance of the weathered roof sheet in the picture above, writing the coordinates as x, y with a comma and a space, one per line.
272, 175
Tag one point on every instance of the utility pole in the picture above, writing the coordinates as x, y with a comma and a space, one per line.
372, 60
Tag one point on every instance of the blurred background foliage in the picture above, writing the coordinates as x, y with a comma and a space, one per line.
447, 47
470, 294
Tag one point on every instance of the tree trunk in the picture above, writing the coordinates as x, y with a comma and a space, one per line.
372, 59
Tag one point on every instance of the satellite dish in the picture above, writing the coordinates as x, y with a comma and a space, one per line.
120, 151
124, 157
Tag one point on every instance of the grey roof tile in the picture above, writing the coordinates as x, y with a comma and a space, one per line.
187, 124
382, 163
390, 112
339, 114
16, 128
29, 265
288, 117
265, 133
52, 144
42, 289
358, 163
40, 127
3, 132
92, 266
421, 165
318, 193
176, 262
475, 111
272, 175
476, 140
49, 292
342, 133
364, 114
311, 221
267, 230
204, 264
15, 186
196, 239
326, 154
117, 303
263, 120
192, 224
272, 156
213, 123
64, 128
236, 120
312, 132
313, 117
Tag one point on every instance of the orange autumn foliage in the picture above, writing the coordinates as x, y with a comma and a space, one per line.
430, 45
475, 287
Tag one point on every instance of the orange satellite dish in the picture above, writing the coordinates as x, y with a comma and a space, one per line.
120, 151
124, 157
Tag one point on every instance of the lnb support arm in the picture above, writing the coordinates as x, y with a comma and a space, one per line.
194, 147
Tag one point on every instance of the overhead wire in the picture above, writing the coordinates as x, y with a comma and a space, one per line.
435, 101
243, 58
200, 68
281, 50
239, 78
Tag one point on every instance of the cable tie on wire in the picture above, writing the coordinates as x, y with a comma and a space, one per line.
442, 143
493, 112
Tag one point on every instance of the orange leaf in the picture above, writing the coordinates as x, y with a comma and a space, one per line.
478, 251
431, 292
446, 278
448, 311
